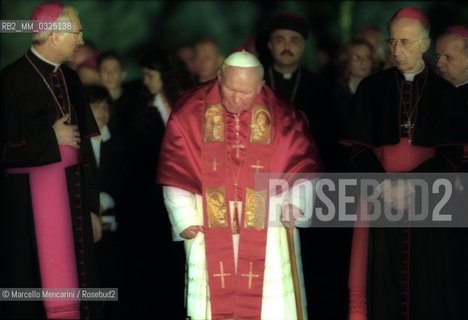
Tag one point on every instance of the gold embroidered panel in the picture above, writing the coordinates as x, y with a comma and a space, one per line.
255, 209
260, 125
213, 125
216, 207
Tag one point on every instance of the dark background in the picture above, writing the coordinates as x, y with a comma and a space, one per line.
130, 26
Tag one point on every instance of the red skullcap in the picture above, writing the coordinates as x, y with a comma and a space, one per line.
47, 11
461, 30
411, 13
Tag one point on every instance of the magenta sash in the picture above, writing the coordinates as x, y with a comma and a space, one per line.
54, 232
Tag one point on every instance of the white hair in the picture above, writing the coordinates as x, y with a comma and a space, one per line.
260, 69
41, 37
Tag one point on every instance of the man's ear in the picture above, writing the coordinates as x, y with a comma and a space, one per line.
124, 74
425, 45
55, 38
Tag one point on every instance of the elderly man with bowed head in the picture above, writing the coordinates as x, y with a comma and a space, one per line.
238, 265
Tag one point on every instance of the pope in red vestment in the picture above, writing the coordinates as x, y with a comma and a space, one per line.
220, 134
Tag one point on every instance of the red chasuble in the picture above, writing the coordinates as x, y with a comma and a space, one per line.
211, 152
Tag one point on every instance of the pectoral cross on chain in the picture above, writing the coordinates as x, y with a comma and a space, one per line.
237, 146
409, 126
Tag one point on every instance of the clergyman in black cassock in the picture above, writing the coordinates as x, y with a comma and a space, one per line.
406, 119
29, 110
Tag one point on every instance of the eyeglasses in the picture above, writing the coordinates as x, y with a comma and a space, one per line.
404, 43
79, 33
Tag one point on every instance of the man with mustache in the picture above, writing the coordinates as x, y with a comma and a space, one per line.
285, 76
287, 35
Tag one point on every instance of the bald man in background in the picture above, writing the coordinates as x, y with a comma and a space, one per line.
207, 59
451, 51
452, 64
452, 57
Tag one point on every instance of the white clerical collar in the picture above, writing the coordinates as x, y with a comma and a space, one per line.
351, 88
158, 103
462, 84
410, 76
33, 50
105, 135
287, 76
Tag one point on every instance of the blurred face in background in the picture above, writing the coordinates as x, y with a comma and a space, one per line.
88, 75
111, 73
82, 54
208, 60
152, 80
375, 38
187, 55
101, 111
360, 61
452, 58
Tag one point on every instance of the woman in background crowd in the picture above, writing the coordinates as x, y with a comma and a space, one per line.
156, 274
355, 62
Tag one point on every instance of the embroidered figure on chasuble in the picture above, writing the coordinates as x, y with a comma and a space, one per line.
216, 207
255, 210
261, 125
214, 123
